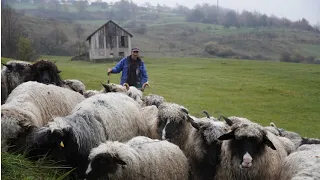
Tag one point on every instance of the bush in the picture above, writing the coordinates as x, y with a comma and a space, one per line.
218, 50
285, 57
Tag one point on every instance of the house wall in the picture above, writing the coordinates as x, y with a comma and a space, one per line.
101, 53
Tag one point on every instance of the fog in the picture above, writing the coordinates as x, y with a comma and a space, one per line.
291, 9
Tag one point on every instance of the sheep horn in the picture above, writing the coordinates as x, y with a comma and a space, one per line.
206, 113
193, 123
126, 85
228, 121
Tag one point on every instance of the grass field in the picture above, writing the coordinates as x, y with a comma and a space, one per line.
284, 93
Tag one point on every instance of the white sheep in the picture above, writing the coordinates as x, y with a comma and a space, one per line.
140, 158
75, 85
31, 105
249, 152
150, 114
303, 164
110, 116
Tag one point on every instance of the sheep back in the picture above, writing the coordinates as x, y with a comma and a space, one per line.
33, 104
303, 164
140, 158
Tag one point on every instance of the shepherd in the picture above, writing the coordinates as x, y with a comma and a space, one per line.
134, 72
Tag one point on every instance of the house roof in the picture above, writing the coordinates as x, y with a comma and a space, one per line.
104, 25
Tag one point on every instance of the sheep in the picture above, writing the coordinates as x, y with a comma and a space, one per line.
302, 164
249, 152
293, 136
111, 116
308, 147
197, 137
31, 105
44, 71
136, 94
12, 74
153, 99
89, 93
150, 115
139, 158
75, 85
131, 91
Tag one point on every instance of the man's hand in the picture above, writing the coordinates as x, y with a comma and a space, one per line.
109, 71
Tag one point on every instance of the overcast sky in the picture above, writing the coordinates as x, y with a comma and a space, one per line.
292, 9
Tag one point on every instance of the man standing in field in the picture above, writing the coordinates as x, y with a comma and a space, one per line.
134, 72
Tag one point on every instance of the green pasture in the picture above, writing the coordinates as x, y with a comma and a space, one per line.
284, 93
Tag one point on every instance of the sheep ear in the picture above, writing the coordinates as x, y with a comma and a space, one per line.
185, 110
268, 142
120, 161
106, 87
227, 136
58, 71
228, 121
193, 123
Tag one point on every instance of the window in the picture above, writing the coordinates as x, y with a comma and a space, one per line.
123, 42
121, 54
101, 38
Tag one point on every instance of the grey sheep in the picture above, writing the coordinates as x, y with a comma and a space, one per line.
302, 165
197, 137
111, 116
249, 152
140, 158
75, 85
153, 99
12, 75
32, 105
293, 136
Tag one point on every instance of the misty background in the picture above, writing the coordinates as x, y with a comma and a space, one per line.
291, 9
287, 30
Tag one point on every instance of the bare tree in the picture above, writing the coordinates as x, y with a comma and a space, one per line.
58, 36
79, 30
10, 31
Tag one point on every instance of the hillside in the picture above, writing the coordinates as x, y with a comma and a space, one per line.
169, 34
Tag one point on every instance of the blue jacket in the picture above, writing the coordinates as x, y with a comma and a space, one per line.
123, 66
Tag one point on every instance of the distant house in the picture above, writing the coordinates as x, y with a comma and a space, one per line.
109, 41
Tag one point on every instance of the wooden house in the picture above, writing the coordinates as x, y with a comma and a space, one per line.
109, 41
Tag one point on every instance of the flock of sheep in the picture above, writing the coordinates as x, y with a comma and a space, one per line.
117, 133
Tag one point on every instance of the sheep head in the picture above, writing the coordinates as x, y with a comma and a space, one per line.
103, 164
172, 120
247, 141
44, 71
114, 88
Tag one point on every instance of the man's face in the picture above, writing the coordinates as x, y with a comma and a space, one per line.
135, 54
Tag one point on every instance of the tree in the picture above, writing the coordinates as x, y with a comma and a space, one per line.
230, 19
25, 49
58, 36
81, 5
11, 30
79, 30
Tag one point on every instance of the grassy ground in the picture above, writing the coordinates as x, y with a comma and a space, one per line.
284, 93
